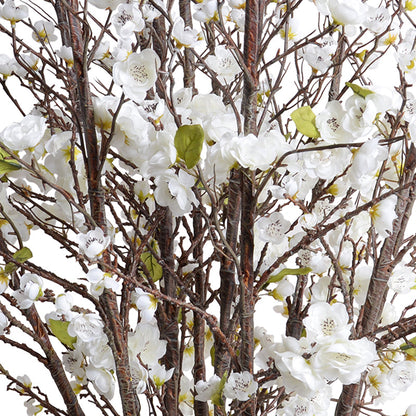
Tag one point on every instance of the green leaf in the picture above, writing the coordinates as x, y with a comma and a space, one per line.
9, 268
188, 144
285, 272
180, 315
304, 119
60, 330
408, 349
217, 396
154, 268
3, 154
22, 255
212, 354
362, 92
6, 167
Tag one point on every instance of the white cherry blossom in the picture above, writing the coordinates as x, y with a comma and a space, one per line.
361, 282
237, 16
145, 341
365, 163
137, 74
402, 279
206, 10
297, 374
12, 12
207, 389
145, 303
411, 410
318, 58
31, 289
377, 19
106, 4
4, 281
99, 353
43, 31
24, 135
224, 64
128, 19
326, 164
292, 31
175, 192
330, 123
160, 375
390, 314
272, 229
240, 386
65, 53
139, 375
103, 380
185, 36
7, 65
344, 359
87, 327
297, 406
93, 243
347, 12
326, 322
150, 12
383, 215
402, 375
33, 407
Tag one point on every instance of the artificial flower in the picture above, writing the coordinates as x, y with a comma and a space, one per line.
137, 74
24, 135
240, 386
9, 11
93, 243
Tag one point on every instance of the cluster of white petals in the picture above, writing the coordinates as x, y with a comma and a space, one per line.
326, 353
137, 74
93, 243
31, 289
24, 135
224, 64
307, 190
12, 12
185, 36
239, 386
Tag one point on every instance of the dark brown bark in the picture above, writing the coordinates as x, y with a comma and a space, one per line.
227, 273
169, 323
252, 30
294, 324
251, 54
73, 33
349, 401
338, 59
200, 408
188, 68
247, 299
54, 363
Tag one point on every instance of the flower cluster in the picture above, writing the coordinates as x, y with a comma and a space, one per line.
195, 173
326, 354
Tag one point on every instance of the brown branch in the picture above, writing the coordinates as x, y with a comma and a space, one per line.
199, 373
54, 364
252, 35
27, 391
372, 309
227, 272
188, 64
168, 312
75, 33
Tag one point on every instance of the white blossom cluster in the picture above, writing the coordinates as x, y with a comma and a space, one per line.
317, 171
